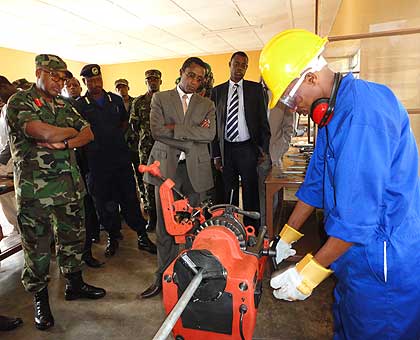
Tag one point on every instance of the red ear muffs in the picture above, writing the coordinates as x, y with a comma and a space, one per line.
322, 109
318, 110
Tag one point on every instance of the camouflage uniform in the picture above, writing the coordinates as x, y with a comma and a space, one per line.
49, 188
140, 126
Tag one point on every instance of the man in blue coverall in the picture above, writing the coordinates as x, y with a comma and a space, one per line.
364, 174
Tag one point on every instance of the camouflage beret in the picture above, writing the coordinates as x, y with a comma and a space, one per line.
53, 63
90, 70
22, 84
121, 82
153, 73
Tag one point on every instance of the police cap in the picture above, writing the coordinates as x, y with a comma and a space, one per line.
90, 70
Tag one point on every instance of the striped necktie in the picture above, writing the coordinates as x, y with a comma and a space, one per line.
232, 131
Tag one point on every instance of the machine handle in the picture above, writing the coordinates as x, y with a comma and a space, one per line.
153, 169
255, 215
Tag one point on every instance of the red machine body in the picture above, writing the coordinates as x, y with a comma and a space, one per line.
225, 304
210, 319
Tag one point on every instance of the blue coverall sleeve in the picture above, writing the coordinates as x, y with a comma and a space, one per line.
311, 191
359, 176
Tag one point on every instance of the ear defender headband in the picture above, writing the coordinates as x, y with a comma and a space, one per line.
322, 109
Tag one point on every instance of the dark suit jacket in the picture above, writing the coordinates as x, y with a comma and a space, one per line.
255, 116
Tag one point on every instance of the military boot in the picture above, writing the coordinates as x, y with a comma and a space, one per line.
43, 316
76, 288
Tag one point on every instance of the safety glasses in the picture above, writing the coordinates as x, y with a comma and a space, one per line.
289, 97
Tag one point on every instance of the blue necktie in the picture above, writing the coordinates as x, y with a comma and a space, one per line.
232, 131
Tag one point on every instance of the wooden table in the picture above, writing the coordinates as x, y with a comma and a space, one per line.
275, 182
12, 243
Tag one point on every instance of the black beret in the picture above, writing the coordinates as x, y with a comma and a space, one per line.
90, 70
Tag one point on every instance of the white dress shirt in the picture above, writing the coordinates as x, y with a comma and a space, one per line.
242, 127
189, 95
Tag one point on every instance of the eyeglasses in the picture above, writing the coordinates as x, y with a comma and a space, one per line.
54, 76
192, 75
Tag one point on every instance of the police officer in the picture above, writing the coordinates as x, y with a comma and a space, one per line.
72, 90
140, 126
44, 129
111, 179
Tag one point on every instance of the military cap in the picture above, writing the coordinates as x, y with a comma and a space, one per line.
153, 73
121, 82
22, 84
53, 63
90, 70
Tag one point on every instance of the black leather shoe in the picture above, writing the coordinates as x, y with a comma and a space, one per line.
7, 324
43, 316
76, 288
119, 236
91, 261
151, 223
153, 290
111, 247
144, 243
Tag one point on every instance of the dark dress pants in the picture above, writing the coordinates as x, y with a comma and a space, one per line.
240, 159
112, 189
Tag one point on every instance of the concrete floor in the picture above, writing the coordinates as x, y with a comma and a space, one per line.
120, 315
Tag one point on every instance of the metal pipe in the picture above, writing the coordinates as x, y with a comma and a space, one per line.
403, 31
176, 312
260, 240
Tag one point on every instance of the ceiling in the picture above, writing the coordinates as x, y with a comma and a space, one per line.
112, 32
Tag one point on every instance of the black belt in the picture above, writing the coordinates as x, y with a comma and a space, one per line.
182, 161
238, 143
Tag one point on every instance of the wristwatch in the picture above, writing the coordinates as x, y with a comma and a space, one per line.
66, 144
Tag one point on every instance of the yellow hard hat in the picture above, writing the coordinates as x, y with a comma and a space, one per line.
285, 56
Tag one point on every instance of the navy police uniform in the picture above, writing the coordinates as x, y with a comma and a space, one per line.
111, 179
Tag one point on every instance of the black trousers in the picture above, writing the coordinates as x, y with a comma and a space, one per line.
240, 159
113, 189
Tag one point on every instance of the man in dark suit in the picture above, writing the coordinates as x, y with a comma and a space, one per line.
243, 134
183, 124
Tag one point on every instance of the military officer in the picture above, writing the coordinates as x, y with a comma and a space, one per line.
140, 126
22, 84
111, 178
122, 88
44, 129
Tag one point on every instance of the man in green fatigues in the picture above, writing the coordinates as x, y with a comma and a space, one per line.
44, 129
140, 127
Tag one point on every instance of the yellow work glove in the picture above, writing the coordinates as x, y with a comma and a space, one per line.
288, 236
297, 282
